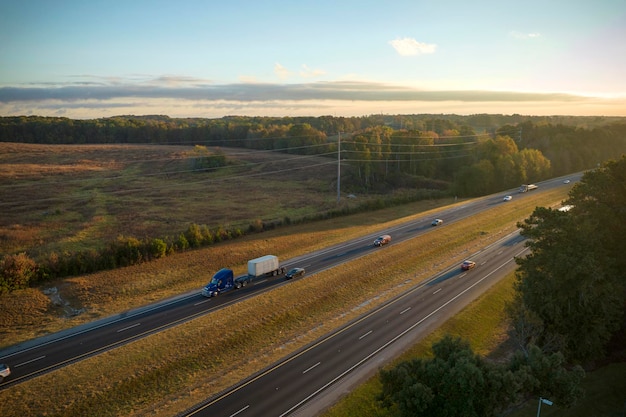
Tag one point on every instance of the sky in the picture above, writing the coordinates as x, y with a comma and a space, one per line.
191, 58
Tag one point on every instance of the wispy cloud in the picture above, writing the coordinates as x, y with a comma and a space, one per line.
409, 46
307, 72
520, 35
281, 72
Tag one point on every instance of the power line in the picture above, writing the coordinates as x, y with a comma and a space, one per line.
127, 163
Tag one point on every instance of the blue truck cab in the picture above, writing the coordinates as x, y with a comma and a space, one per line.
222, 281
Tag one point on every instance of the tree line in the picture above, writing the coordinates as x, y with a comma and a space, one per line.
464, 155
569, 304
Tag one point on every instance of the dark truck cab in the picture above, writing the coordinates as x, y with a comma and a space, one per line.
222, 281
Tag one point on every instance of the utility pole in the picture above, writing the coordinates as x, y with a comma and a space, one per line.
339, 168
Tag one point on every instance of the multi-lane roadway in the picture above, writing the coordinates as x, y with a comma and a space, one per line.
421, 306
300, 384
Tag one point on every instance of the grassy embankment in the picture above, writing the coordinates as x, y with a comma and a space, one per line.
483, 325
168, 372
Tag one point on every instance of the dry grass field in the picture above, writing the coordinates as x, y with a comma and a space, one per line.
77, 197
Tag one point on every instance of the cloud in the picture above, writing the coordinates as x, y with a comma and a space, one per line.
345, 98
519, 35
307, 72
409, 46
282, 72
339, 90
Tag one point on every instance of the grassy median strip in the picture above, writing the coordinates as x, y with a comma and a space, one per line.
166, 373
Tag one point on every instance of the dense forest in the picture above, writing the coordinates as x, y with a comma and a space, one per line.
461, 155
568, 312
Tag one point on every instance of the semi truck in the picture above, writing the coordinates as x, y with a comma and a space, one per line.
224, 279
527, 187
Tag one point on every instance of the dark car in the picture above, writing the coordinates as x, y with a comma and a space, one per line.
295, 273
467, 265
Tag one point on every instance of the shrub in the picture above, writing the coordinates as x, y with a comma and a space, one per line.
16, 272
158, 248
207, 236
182, 243
194, 235
128, 251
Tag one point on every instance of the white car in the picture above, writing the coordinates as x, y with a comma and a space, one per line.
5, 371
508, 198
566, 182
437, 222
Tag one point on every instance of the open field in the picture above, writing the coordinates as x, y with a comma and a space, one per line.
168, 372
78, 197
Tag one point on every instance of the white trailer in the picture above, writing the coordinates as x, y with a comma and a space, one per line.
264, 265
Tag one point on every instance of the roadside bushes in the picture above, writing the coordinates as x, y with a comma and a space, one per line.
20, 271
16, 272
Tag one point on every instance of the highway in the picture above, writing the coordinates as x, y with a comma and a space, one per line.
36, 357
294, 384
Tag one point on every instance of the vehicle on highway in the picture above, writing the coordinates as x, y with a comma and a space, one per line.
437, 222
566, 182
524, 188
224, 280
295, 273
5, 371
467, 265
508, 198
382, 240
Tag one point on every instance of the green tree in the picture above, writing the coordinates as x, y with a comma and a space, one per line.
158, 248
572, 284
532, 165
454, 382
128, 251
546, 375
305, 137
194, 235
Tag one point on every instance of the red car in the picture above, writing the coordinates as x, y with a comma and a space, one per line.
382, 240
467, 265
